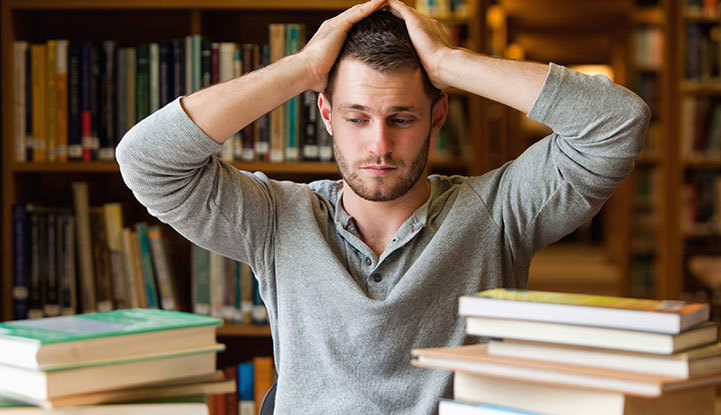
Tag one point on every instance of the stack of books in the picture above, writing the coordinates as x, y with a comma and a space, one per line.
132, 355
565, 354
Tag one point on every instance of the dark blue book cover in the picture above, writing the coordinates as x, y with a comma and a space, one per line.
75, 145
21, 262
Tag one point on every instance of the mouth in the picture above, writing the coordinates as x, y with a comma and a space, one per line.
378, 170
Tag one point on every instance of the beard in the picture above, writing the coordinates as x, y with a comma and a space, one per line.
383, 189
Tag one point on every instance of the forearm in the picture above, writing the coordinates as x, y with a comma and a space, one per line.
513, 83
224, 109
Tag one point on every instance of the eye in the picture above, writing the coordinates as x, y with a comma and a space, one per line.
355, 120
402, 121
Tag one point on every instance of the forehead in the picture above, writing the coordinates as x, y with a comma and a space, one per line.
357, 84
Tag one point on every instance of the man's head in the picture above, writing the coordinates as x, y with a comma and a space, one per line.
384, 110
381, 41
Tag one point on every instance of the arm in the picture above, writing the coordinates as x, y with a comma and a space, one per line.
513, 83
224, 109
166, 158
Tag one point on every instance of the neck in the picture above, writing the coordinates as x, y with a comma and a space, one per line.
377, 222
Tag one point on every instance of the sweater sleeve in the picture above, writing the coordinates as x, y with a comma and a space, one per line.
561, 181
166, 160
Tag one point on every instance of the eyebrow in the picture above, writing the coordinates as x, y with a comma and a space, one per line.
394, 109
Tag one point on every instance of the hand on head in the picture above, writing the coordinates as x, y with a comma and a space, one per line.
427, 35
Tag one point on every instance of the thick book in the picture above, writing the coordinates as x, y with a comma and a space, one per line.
185, 405
50, 343
39, 385
454, 407
568, 400
694, 362
52, 99
589, 310
83, 241
293, 43
630, 340
176, 388
475, 359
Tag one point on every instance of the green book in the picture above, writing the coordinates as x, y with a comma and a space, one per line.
142, 85
292, 113
93, 338
146, 261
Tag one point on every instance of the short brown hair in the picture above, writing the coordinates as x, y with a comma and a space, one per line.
381, 41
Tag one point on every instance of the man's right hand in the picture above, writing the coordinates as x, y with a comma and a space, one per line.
322, 50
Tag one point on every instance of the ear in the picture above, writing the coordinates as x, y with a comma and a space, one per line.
439, 113
325, 109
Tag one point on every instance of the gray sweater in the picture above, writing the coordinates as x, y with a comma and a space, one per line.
343, 320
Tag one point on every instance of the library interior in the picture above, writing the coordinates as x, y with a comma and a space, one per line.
78, 74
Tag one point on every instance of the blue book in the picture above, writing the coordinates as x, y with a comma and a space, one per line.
246, 388
451, 407
21, 262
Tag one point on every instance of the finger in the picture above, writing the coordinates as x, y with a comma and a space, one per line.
400, 9
361, 11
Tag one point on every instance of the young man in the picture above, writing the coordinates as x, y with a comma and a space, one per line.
357, 272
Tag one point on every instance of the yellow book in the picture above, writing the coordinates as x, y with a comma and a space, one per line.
587, 310
52, 100
39, 80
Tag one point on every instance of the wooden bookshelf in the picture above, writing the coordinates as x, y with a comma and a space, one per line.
243, 330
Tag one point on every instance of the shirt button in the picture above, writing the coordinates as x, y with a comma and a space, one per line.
377, 277
368, 262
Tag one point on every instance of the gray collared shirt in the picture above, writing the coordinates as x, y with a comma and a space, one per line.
343, 321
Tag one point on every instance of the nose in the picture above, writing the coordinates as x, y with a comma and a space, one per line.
381, 141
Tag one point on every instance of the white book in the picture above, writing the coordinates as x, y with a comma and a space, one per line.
630, 340
694, 362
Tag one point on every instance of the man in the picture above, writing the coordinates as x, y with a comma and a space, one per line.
356, 273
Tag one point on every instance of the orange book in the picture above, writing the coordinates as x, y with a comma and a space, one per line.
264, 374
39, 80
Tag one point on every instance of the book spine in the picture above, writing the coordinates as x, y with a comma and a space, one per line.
142, 86
310, 123
101, 261
237, 292
68, 282
37, 225
133, 298
95, 100
120, 95
264, 377
154, 78
201, 280
217, 284
84, 245
85, 101
179, 72
246, 386
113, 216
29, 105
21, 261
146, 259
62, 100
51, 305
19, 105
214, 63
107, 129
130, 87
165, 72
260, 313
75, 91
168, 296
228, 307
39, 84
206, 63
51, 107
246, 292
292, 112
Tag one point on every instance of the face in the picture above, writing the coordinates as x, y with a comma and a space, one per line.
381, 125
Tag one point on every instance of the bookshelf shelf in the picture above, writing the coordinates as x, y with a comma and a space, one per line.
652, 16
243, 330
700, 17
182, 4
708, 162
711, 87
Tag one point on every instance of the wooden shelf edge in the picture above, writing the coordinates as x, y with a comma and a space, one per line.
652, 16
181, 4
300, 167
701, 87
243, 330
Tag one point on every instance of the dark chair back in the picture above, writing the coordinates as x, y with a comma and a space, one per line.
268, 404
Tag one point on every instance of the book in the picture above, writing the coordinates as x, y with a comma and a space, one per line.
264, 377
694, 362
634, 341
39, 100
192, 405
147, 271
475, 359
81, 210
590, 310
62, 100
51, 107
187, 386
21, 383
50, 343
451, 407
246, 392
21, 261
276, 52
562, 400
167, 285
20, 49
